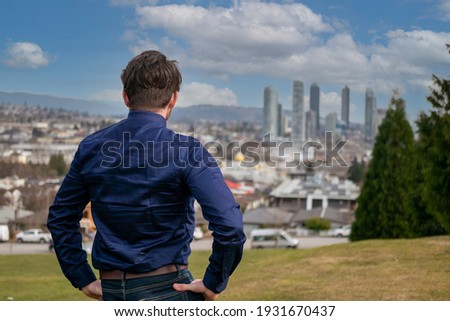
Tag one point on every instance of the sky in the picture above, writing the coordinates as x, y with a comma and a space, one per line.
229, 51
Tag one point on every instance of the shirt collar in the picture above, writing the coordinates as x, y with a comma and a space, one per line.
148, 116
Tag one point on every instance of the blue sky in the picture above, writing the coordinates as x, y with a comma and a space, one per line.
229, 51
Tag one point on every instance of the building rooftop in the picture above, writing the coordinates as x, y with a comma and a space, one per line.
318, 184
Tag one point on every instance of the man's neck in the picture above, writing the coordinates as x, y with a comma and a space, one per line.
161, 111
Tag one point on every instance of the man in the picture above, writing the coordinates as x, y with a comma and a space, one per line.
141, 179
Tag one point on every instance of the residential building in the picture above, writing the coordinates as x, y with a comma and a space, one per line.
297, 200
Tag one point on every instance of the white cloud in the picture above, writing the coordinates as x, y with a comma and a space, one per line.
113, 95
26, 55
249, 31
444, 8
196, 93
142, 45
290, 41
330, 103
339, 60
409, 59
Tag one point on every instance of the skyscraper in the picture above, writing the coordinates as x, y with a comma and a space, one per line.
280, 123
298, 121
314, 102
330, 122
371, 115
310, 124
271, 112
345, 104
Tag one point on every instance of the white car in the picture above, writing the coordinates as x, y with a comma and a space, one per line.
342, 231
33, 236
272, 238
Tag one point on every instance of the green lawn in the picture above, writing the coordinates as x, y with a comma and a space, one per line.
417, 269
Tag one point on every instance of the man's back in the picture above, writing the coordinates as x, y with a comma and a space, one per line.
135, 174
141, 179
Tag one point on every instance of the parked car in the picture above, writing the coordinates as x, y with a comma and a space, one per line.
272, 238
33, 236
343, 231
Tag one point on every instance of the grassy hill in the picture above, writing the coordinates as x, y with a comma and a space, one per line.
417, 269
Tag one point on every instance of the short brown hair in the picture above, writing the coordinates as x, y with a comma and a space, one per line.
149, 80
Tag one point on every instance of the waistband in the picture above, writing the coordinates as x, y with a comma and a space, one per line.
122, 275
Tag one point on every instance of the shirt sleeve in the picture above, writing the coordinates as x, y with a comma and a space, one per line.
221, 210
64, 224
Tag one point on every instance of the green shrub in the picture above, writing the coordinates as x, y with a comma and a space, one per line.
318, 224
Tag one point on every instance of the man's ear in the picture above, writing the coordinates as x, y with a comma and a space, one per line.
125, 98
172, 102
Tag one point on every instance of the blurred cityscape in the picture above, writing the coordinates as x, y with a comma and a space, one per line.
297, 173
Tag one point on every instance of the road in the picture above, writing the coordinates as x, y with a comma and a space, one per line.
304, 242
23, 248
204, 244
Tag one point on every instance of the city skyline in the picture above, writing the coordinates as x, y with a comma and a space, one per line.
77, 51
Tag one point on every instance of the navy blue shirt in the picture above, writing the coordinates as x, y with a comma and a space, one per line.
141, 179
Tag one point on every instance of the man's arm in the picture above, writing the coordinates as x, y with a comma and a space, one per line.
64, 224
205, 181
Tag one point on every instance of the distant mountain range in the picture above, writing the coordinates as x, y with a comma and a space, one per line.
217, 114
92, 107
180, 114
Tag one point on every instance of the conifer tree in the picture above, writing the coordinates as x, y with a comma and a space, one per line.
355, 172
424, 223
434, 144
58, 164
384, 205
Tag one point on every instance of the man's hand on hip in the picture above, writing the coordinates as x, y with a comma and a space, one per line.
197, 286
93, 290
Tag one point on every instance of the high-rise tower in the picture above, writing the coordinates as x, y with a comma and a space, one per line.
280, 123
371, 115
298, 121
310, 124
345, 103
271, 112
314, 102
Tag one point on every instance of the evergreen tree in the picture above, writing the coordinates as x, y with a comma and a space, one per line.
434, 144
385, 204
355, 172
424, 223
58, 164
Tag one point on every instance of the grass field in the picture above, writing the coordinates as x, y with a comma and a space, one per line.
417, 269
